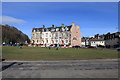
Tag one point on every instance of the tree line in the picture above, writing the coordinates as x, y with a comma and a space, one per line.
12, 35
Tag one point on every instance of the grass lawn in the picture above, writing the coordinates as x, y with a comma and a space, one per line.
37, 53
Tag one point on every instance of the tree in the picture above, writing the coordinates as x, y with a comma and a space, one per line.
12, 34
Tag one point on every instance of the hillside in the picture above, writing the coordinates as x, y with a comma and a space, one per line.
12, 34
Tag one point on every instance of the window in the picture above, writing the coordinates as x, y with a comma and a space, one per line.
66, 28
46, 30
57, 29
67, 34
33, 36
46, 41
37, 30
46, 34
60, 35
37, 35
42, 35
66, 41
74, 38
63, 29
43, 30
34, 30
52, 29
56, 41
37, 41
50, 35
56, 35
64, 34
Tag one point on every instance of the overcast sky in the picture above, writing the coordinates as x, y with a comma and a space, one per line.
92, 17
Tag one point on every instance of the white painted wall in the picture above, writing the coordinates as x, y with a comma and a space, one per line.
46, 36
95, 43
51, 36
83, 43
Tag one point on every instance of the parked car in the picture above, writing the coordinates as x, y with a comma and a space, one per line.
118, 49
90, 47
76, 47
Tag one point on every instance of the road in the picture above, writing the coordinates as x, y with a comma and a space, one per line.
99, 68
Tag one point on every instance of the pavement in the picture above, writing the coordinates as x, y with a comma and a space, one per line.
96, 68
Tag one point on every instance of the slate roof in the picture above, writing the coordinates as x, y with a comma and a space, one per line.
96, 39
112, 35
52, 29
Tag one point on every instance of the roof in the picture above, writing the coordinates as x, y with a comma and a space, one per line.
53, 29
112, 35
96, 39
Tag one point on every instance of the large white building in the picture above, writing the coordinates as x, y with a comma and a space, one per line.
63, 36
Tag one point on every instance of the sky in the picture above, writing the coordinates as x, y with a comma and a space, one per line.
92, 17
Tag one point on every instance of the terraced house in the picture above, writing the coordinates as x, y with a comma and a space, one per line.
64, 36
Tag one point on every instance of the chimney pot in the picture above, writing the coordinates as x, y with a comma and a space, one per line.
53, 26
43, 26
62, 25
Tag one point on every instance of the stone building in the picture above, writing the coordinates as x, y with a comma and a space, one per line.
112, 40
64, 36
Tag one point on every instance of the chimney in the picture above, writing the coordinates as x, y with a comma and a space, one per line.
53, 26
73, 24
43, 26
62, 25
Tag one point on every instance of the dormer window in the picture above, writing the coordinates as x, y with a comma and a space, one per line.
57, 29
66, 28
53, 30
34, 31
46, 30
63, 29
42, 30
37, 30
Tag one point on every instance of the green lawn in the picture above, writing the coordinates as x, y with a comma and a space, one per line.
37, 53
